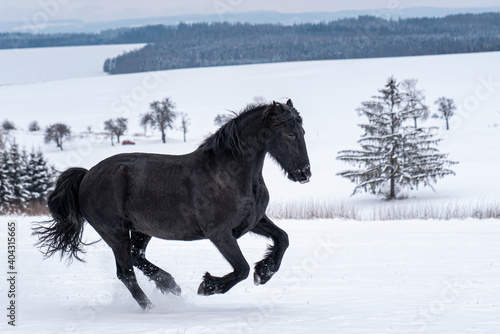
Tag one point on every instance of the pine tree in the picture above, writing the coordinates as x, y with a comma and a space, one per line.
4, 187
46, 174
39, 178
393, 155
16, 179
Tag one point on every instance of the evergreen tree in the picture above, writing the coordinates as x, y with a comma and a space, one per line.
4, 187
393, 155
160, 116
39, 177
47, 175
16, 178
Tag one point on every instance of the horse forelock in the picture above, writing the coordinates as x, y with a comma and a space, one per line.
285, 115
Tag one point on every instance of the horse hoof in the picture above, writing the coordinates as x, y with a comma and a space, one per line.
208, 286
261, 280
146, 306
166, 284
256, 279
176, 290
262, 273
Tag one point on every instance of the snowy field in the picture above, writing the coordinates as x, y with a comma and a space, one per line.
325, 92
345, 276
337, 277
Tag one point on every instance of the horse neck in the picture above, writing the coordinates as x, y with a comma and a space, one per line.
250, 163
255, 151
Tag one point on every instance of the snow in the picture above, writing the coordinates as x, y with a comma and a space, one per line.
337, 277
326, 93
345, 276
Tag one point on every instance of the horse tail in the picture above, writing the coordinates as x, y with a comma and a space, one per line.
65, 230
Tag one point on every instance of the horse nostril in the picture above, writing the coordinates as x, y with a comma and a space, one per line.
305, 174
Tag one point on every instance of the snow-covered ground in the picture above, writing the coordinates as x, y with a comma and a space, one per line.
343, 276
325, 92
337, 277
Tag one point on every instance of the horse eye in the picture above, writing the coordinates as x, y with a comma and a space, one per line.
291, 136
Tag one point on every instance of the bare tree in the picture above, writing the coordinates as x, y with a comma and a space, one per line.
160, 116
57, 133
8, 125
413, 100
446, 109
34, 126
116, 127
120, 127
109, 125
260, 100
221, 119
185, 123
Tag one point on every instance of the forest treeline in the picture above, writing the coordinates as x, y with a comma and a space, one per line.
201, 45
217, 44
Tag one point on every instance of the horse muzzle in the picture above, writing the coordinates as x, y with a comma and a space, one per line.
301, 175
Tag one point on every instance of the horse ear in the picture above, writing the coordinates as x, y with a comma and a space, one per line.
277, 108
289, 103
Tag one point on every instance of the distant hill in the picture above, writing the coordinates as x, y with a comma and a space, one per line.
76, 26
220, 44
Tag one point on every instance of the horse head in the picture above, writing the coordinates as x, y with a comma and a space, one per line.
287, 145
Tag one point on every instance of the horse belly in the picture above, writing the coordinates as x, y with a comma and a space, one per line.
166, 217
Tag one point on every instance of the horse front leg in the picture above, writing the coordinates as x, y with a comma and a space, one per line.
266, 268
228, 246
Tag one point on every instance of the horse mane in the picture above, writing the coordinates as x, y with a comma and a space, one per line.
228, 138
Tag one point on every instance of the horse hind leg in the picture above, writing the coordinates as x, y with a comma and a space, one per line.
125, 271
163, 280
119, 241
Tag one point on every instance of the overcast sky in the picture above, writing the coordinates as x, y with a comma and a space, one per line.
103, 10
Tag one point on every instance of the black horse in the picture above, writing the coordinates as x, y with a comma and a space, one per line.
216, 192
